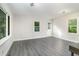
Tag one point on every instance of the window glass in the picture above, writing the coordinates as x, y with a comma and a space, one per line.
36, 26
2, 24
8, 25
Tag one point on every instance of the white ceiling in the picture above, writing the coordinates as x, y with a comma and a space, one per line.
42, 9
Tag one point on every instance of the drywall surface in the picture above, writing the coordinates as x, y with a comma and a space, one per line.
23, 27
60, 27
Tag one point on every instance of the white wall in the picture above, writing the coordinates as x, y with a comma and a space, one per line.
7, 42
23, 27
60, 27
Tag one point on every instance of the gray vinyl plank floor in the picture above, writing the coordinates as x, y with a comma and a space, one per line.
49, 46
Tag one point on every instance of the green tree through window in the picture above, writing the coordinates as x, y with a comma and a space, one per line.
72, 26
2, 24
36, 26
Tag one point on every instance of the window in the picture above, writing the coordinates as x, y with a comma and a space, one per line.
8, 25
36, 26
72, 26
4, 25
49, 25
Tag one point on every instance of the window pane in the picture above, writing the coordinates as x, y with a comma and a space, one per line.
8, 25
36, 24
2, 24
49, 25
36, 29
72, 26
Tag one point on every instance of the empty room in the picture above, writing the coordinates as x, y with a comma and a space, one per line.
39, 29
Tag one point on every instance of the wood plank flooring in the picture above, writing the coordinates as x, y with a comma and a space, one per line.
49, 46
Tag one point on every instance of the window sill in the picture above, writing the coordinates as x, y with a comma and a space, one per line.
3, 40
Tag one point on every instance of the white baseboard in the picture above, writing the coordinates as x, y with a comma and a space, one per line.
70, 39
30, 38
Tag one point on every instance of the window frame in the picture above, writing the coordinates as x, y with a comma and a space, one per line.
4, 39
